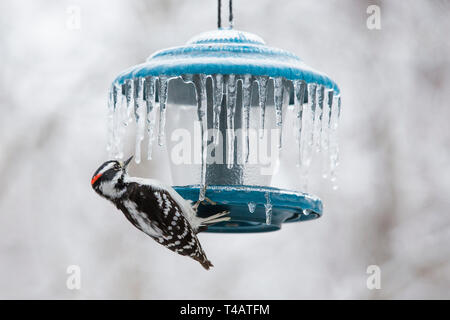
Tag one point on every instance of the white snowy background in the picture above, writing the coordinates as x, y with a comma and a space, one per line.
392, 208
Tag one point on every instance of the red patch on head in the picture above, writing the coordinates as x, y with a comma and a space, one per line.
95, 178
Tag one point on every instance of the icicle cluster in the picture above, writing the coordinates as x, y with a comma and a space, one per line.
317, 109
134, 97
317, 128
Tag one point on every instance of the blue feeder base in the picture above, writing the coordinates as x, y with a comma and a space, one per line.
287, 206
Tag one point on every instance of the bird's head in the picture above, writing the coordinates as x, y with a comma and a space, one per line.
108, 178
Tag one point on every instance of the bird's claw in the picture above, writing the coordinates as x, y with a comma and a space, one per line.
197, 204
205, 199
209, 201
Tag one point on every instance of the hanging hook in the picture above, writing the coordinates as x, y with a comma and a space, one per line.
230, 17
219, 14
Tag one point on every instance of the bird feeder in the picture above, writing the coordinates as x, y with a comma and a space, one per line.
216, 101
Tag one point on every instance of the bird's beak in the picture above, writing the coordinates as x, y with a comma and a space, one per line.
126, 163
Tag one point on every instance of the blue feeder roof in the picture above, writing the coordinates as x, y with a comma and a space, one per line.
226, 51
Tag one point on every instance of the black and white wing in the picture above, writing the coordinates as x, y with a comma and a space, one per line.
154, 211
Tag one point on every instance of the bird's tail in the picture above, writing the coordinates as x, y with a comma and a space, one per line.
200, 256
206, 263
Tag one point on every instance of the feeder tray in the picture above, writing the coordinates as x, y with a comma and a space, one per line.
287, 206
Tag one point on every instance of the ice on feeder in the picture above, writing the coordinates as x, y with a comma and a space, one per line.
110, 124
231, 87
268, 209
246, 101
318, 118
115, 121
307, 137
120, 122
149, 95
200, 88
325, 136
299, 97
163, 88
262, 91
139, 112
217, 105
334, 147
278, 99
251, 207
129, 95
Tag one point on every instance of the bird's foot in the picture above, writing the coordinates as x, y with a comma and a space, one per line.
197, 204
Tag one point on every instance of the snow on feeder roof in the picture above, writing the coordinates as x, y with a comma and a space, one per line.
227, 51
222, 81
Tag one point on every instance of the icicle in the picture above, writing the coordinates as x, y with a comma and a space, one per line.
129, 95
334, 147
299, 98
137, 88
308, 134
163, 86
110, 125
339, 107
121, 121
318, 118
149, 96
325, 137
231, 86
116, 120
278, 100
139, 112
188, 78
246, 101
200, 87
268, 207
217, 105
251, 207
262, 91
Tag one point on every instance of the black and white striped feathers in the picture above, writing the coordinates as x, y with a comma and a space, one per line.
155, 209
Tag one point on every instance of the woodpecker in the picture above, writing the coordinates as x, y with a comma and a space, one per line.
155, 209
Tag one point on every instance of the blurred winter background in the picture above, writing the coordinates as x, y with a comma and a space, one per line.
392, 208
